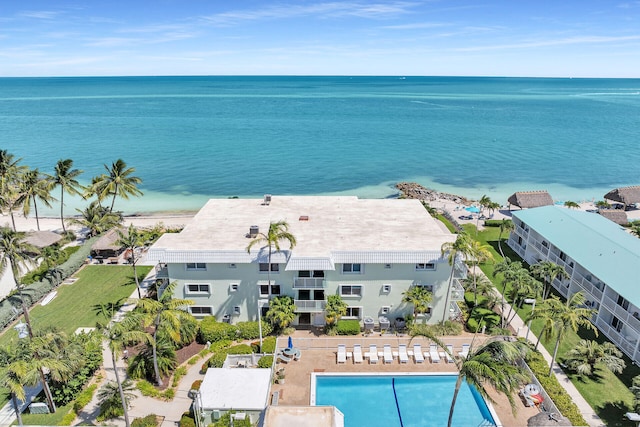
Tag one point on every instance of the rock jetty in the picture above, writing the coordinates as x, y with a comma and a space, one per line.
413, 190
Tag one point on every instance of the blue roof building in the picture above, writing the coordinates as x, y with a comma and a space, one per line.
601, 258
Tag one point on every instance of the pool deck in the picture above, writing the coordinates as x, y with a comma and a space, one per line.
318, 354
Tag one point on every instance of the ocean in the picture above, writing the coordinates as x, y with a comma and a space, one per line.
193, 138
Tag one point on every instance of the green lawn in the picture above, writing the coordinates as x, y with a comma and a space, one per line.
607, 393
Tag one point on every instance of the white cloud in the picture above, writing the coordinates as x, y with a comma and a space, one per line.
40, 14
557, 42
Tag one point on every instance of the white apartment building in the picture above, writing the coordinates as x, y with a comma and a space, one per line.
369, 251
602, 259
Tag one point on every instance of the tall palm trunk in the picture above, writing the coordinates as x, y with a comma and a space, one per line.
500, 243
47, 391
13, 219
16, 408
113, 201
445, 316
62, 209
455, 397
122, 398
555, 352
135, 273
156, 370
35, 209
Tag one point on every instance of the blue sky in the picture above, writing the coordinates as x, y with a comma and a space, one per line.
589, 38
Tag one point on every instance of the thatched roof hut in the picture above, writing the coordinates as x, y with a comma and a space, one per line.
106, 245
624, 195
548, 419
530, 199
616, 215
42, 239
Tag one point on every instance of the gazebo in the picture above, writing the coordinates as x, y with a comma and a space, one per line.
616, 215
625, 195
42, 239
530, 199
107, 246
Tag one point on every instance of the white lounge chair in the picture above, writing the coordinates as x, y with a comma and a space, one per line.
448, 353
433, 353
465, 351
387, 354
357, 353
342, 353
372, 354
402, 353
417, 353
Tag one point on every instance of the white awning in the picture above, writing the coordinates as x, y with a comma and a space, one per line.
296, 264
386, 257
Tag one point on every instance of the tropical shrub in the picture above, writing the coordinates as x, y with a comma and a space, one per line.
251, 330
348, 327
141, 365
217, 360
212, 331
196, 385
148, 421
225, 421
480, 317
178, 374
68, 419
269, 345
265, 362
187, 420
110, 402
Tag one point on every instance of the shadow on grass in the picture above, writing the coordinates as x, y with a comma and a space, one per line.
613, 414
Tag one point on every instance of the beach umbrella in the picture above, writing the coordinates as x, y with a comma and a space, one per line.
472, 209
290, 343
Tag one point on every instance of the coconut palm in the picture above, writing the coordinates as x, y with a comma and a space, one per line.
10, 173
334, 310
478, 253
36, 186
510, 271
117, 182
453, 250
12, 378
634, 228
278, 232
166, 314
65, 177
131, 240
506, 225
602, 204
114, 398
586, 354
548, 272
523, 286
492, 207
571, 205
96, 218
419, 297
282, 311
484, 202
544, 312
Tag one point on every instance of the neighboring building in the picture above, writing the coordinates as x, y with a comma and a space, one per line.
530, 199
368, 251
107, 246
602, 259
616, 215
625, 195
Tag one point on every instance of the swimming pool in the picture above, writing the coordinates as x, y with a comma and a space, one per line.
400, 400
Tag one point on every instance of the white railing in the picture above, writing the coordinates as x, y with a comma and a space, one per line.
309, 283
457, 291
310, 306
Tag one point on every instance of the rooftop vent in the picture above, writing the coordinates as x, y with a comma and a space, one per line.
267, 199
304, 218
253, 231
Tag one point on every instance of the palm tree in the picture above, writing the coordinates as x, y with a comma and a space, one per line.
484, 202
569, 315
460, 247
510, 270
282, 311
36, 186
334, 310
278, 232
571, 205
96, 218
10, 172
493, 206
132, 240
114, 398
118, 336
548, 272
635, 389
12, 378
117, 182
523, 286
164, 313
420, 297
546, 313
505, 225
478, 253
584, 357
602, 204
65, 177
634, 228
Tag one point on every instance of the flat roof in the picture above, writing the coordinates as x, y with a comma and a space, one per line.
598, 244
322, 225
303, 416
235, 388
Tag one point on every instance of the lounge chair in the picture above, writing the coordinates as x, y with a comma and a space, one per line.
433, 353
342, 353
417, 353
402, 353
283, 358
372, 354
357, 353
387, 354
448, 354
465, 351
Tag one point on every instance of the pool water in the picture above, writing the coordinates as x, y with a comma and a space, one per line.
418, 400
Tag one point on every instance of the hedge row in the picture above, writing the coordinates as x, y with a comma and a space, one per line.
213, 331
348, 327
557, 393
11, 307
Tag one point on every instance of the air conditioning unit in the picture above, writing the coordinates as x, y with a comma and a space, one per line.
253, 231
386, 288
267, 199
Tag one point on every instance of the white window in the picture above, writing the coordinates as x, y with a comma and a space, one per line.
197, 288
386, 288
351, 290
264, 267
385, 309
353, 313
196, 266
201, 310
425, 266
233, 287
264, 290
352, 268
236, 310
427, 287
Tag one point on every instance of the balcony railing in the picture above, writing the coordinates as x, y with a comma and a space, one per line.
457, 291
309, 283
162, 272
310, 306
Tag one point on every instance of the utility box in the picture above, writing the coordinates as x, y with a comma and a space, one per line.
38, 408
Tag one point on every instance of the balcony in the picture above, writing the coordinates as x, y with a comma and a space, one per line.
310, 306
457, 291
309, 283
162, 271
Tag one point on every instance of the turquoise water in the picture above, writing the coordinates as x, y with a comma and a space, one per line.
191, 138
422, 401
